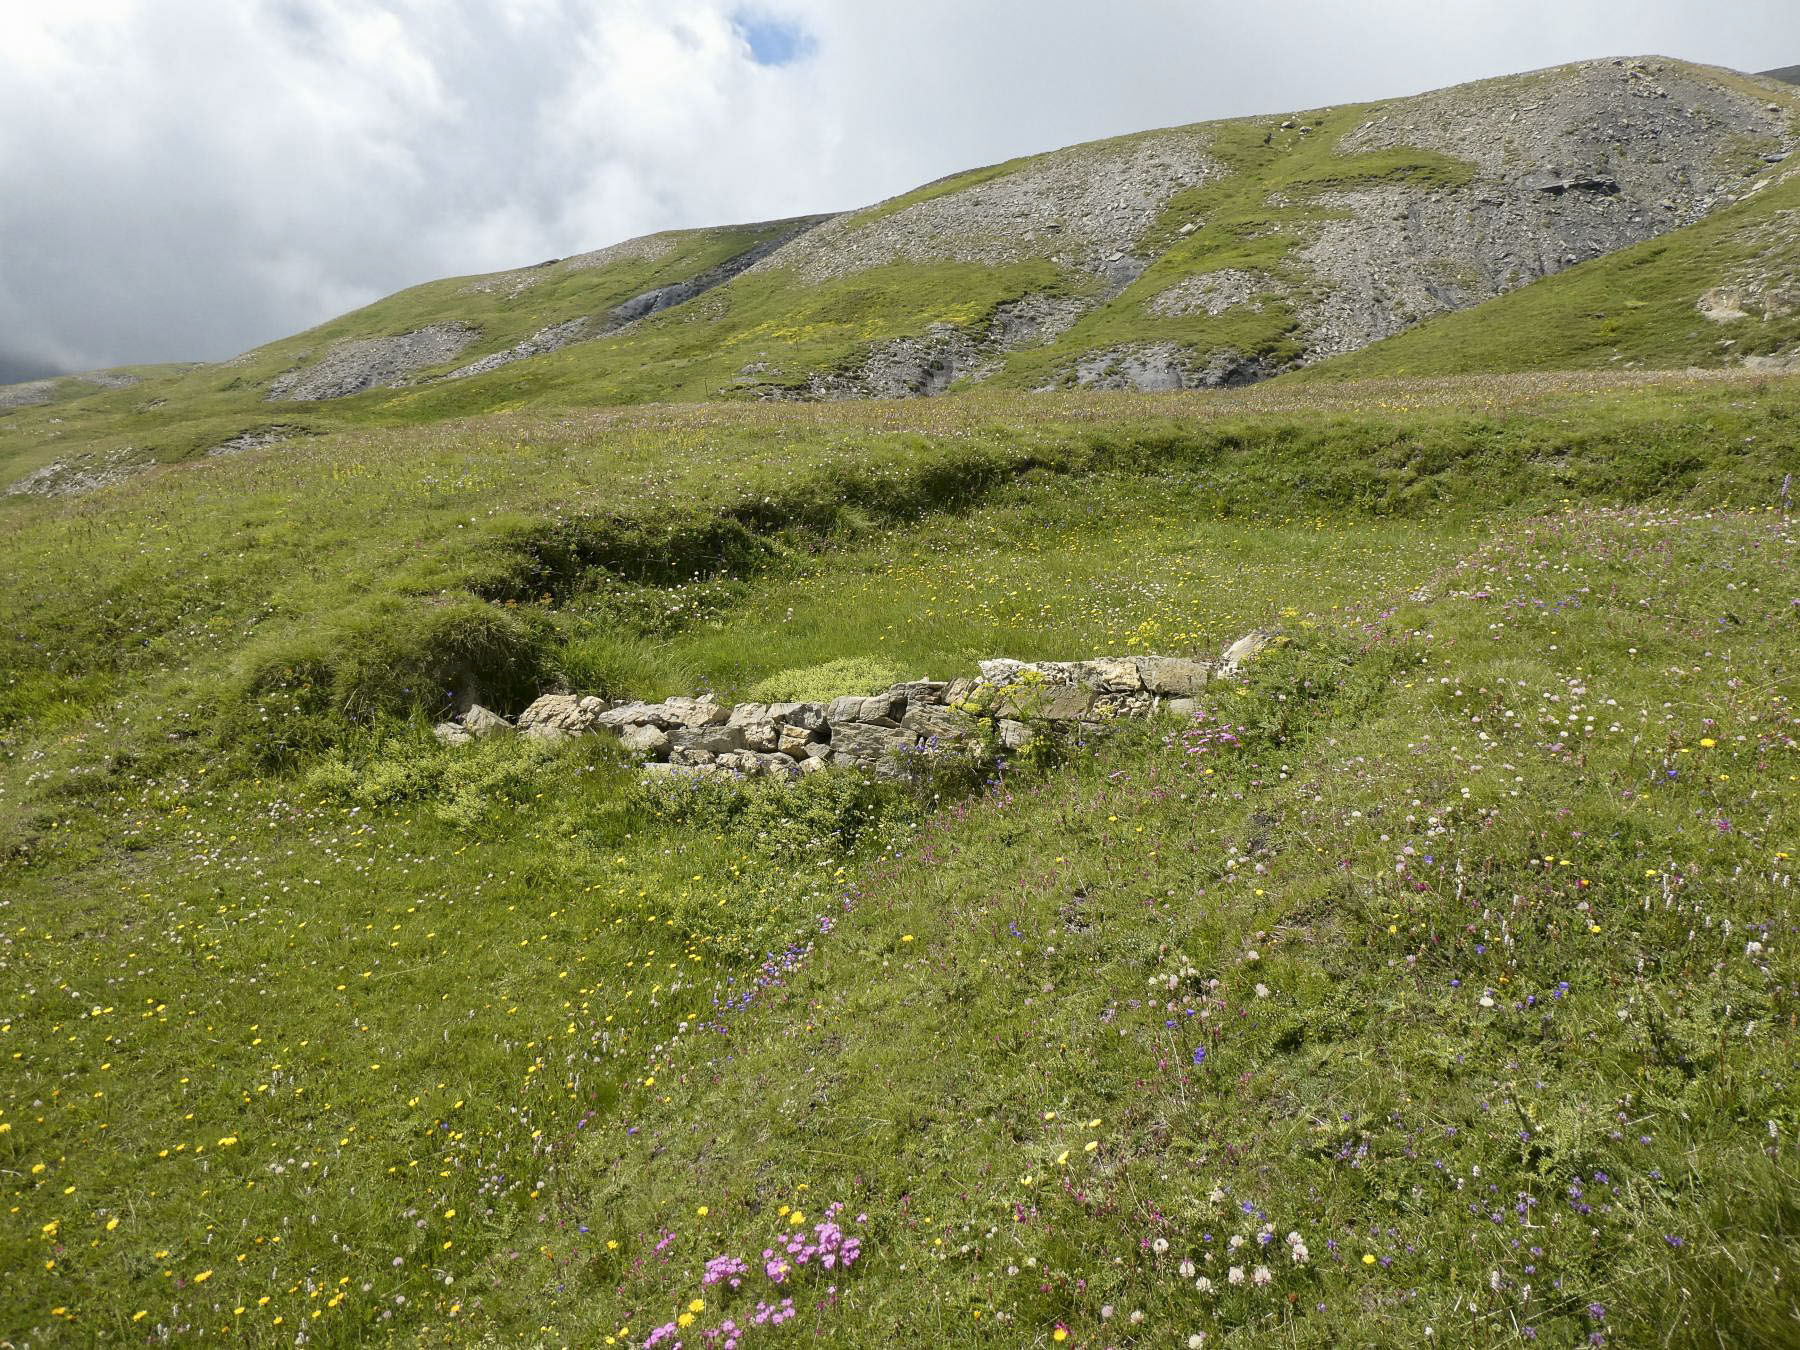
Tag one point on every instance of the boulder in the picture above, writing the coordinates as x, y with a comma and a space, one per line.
1183, 707
1015, 735
918, 693
867, 746
958, 692
631, 714
1050, 702
808, 767
479, 722
556, 716
933, 721
795, 740
1109, 675
716, 740
805, 716
878, 710
746, 713
1173, 675
451, 733
762, 736
695, 712
645, 742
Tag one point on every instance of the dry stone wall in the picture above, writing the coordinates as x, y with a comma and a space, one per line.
1012, 701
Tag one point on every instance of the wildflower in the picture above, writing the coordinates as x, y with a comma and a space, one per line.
1235, 1275
1160, 1246
1060, 1334
1261, 1276
1187, 1270
1204, 1285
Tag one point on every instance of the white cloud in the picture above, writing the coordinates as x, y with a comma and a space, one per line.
186, 178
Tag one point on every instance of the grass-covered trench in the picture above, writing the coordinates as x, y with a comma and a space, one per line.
1452, 943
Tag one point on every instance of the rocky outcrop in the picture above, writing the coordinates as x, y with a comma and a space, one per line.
367, 363
885, 734
585, 328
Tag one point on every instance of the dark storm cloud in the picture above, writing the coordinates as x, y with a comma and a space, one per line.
184, 179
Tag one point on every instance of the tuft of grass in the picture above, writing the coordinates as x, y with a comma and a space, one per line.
825, 681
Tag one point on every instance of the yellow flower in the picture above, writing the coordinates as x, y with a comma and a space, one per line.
203, 1277
698, 1305
111, 1224
1060, 1334
1368, 1258
685, 1320
796, 1218
1707, 742
701, 1211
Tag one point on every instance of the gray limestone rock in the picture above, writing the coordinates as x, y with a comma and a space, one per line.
555, 716
478, 721
1173, 675
645, 742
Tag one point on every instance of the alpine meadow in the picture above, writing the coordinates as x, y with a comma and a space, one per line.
1192, 740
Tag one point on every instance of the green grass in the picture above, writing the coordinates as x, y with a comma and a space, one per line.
1478, 922
403, 1028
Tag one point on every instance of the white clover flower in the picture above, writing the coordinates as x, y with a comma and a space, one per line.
1160, 1246
1262, 991
1300, 1254
1204, 1285
1106, 1312
1197, 1340
1261, 1276
1187, 1270
1137, 1317
1237, 1240
1235, 1275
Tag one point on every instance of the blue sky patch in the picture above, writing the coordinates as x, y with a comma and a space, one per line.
774, 42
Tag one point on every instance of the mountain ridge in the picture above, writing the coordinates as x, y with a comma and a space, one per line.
1216, 253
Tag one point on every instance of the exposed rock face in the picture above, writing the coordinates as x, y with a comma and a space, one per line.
78, 476
366, 363
553, 338
584, 328
1152, 367
1083, 208
252, 440
1569, 165
27, 395
1212, 293
1561, 166
881, 734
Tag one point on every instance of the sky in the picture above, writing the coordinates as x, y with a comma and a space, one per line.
186, 179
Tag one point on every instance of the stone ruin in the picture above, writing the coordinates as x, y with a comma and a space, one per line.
878, 733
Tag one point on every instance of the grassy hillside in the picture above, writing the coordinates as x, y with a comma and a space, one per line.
313, 1025
1644, 307
172, 413
1214, 253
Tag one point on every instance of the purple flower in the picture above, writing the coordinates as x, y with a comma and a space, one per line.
1199, 1054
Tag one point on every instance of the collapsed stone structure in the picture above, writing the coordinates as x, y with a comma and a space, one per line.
875, 733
